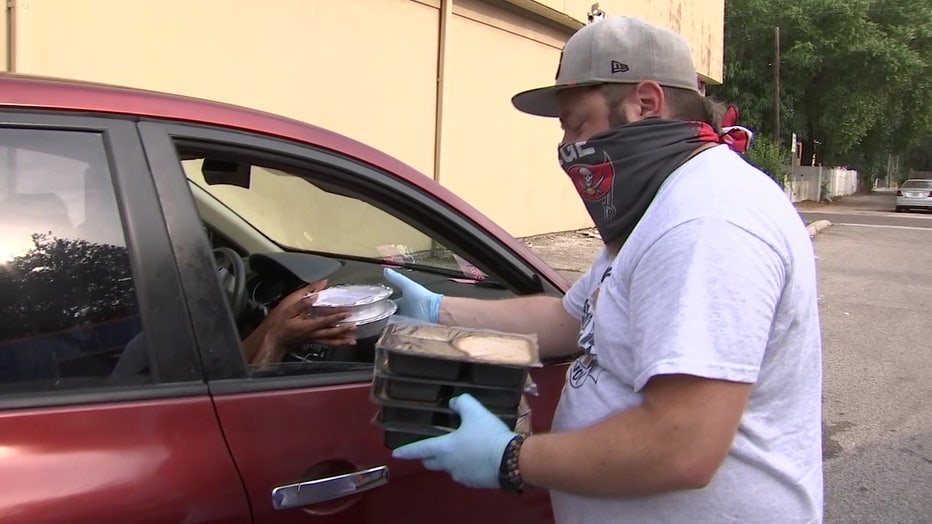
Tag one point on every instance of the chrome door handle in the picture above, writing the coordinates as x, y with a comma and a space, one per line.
319, 490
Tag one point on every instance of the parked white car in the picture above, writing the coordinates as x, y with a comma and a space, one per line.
914, 193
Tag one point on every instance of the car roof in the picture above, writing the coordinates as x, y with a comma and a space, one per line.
36, 92
74, 95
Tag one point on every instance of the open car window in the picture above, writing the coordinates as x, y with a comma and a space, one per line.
295, 222
296, 215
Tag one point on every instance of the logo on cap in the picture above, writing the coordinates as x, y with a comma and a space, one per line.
618, 67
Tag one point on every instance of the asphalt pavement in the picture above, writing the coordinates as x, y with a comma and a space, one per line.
875, 292
875, 289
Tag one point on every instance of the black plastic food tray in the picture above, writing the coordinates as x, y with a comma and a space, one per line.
400, 435
492, 375
433, 394
395, 439
401, 416
455, 370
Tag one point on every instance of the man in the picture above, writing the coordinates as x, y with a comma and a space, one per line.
697, 397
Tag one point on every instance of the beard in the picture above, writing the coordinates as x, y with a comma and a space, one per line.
617, 118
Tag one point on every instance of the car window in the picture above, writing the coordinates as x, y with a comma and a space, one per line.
278, 215
917, 184
68, 305
296, 214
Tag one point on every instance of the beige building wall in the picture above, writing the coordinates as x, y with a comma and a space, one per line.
502, 161
4, 40
367, 69
701, 22
367, 72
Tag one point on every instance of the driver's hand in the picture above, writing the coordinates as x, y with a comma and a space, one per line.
290, 323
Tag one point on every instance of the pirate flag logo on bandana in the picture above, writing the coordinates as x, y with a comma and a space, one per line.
595, 183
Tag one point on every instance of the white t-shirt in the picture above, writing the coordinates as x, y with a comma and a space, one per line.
718, 281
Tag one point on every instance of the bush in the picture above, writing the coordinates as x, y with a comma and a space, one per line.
767, 156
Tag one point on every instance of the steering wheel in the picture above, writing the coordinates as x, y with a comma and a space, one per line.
232, 274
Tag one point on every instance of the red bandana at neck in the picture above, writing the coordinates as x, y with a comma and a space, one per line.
734, 136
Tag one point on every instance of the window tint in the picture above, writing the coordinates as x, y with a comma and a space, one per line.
68, 306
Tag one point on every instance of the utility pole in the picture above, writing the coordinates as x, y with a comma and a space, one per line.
776, 85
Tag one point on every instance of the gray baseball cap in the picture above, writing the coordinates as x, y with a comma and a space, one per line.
615, 50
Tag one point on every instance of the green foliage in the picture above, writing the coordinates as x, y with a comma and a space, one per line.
63, 283
855, 74
769, 158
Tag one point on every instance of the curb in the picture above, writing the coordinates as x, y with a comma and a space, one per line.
817, 226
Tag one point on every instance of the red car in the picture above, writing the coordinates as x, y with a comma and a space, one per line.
124, 393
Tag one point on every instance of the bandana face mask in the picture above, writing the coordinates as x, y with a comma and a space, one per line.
617, 173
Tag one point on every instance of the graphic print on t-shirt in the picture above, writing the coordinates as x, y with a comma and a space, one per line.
587, 365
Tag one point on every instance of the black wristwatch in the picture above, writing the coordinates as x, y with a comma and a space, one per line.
509, 475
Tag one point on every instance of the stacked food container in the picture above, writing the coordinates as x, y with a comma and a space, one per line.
419, 368
369, 306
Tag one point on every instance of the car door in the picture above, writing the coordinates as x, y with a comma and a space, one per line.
104, 411
312, 421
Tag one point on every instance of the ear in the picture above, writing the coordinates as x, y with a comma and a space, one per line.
649, 100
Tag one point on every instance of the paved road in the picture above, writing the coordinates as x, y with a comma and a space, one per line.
878, 219
875, 278
873, 209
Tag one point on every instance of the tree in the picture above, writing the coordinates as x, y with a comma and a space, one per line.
920, 158
769, 158
855, 75
62, 283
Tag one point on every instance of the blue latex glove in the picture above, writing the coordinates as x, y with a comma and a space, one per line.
416, 301
473, 453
